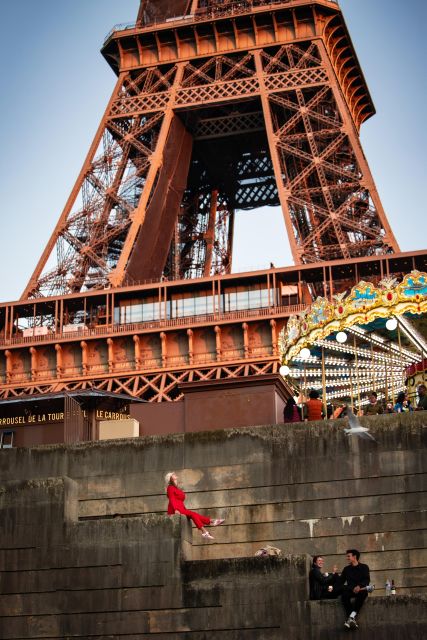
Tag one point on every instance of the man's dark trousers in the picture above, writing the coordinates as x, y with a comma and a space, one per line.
359, 599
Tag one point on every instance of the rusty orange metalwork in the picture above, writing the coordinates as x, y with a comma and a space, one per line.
145, 340
225, 106
218, 106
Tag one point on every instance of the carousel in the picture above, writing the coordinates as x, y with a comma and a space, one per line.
371, 339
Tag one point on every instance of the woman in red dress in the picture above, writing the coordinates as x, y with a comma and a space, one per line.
176, 504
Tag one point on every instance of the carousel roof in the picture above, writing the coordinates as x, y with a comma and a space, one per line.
358, 342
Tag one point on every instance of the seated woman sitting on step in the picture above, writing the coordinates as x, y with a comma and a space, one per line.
176, 504
323, 585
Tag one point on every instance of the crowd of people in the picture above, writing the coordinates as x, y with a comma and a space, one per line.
314, 409
310, 410
352, 585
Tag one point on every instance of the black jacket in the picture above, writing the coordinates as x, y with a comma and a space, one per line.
357, 576
319, 583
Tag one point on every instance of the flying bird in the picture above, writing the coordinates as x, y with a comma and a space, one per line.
356, 428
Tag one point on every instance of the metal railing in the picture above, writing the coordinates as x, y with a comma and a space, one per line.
71, 371
97, 368
206, 13
204, 358
208, 358
119, 27
135, 327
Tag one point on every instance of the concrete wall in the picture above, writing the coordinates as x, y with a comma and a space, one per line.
83, 531
61, 578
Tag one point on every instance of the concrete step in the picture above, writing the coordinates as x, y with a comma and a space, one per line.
327, 546
143, 502
336, 513
381, 618
244, 475
305, 489
96, 600
321, 527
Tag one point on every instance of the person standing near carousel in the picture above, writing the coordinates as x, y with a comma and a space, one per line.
374, 407
291, 412
176, 504
313, 408
422, 398
403, 404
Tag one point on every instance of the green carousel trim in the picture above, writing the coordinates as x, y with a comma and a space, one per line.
366, 302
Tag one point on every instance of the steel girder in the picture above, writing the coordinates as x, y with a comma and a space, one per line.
158, 386
312, 164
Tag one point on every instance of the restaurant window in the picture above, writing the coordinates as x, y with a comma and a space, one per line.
196, 305
237, 299
133, 311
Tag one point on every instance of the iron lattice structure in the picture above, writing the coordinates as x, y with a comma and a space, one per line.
219, 106
158, 386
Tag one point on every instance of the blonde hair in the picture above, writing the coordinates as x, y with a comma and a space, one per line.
168, 477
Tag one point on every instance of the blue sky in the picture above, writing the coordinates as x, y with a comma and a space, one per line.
55, 86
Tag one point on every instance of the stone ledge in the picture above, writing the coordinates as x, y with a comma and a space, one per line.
382, 618
410, 423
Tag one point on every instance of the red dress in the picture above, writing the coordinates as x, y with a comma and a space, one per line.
176, 503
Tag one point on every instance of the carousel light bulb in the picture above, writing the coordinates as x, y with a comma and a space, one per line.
284, 371
391, 324
305, 353
341, 337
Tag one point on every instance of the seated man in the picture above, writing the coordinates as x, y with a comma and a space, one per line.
355, 586
322, 585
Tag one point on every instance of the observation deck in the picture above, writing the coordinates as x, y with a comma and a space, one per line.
240, 26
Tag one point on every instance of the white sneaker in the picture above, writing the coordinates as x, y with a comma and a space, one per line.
353, 623
207, 536
217, 521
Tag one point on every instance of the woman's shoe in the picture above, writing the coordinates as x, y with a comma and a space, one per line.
217, 521
207, 536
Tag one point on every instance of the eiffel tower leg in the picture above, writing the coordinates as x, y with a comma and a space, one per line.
33, 286
328, 197
350, 129
283, 195
94, 239
150, 236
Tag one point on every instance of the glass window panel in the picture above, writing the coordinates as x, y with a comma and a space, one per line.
150, 311
196, 305
203, 305
264, 297
242, 300
251, 298
137, 311
255, 299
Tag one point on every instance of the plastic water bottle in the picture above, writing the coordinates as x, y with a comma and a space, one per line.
388, 587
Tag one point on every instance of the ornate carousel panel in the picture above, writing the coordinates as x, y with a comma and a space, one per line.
370, 339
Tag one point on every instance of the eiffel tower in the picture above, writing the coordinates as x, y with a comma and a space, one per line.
219, 106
